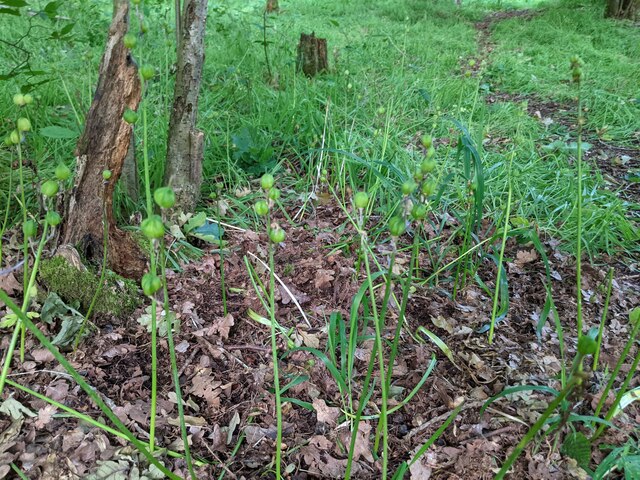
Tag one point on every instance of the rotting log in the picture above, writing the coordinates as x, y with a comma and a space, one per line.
312, 55
103, 146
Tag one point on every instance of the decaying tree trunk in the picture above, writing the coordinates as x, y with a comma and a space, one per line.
130, 178
104, 145
622, 9
185, 144
312, 55
272, 6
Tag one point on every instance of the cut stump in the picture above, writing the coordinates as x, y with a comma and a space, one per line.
312, 55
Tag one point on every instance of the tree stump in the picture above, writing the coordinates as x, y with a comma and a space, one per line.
272, 6
312, 55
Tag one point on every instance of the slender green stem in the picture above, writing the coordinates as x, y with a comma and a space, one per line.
25, 251
614, 374
174, 363
223, 287
383, 384
536, 428
579, 221
85, 386
25, 304
84, 417
6, 213
274, 351
496, 295
603, 320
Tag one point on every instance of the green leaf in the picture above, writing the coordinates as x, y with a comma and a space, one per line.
577, 446
58, 132
53, 308
13, 3
15, 409
68, 329
631, 465
195, 222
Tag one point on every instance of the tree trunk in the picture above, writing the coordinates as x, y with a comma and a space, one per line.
622, 9
272, 6
104, 145
130, 179
185, 144
312, 55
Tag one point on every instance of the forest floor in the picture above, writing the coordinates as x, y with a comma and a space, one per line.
226, 371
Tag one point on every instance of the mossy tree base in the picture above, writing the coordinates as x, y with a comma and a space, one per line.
118, 297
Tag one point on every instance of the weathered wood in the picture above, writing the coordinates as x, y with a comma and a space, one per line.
312, 55
622, 9
272, 6
185, 144
104, 145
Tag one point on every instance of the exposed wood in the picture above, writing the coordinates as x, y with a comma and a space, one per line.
312, 55
104, 145
622, 9
272, 6
185, 144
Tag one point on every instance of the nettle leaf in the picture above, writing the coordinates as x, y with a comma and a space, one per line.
577, 446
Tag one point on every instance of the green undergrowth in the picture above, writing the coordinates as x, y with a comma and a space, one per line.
530, 57
118, 297
397, 71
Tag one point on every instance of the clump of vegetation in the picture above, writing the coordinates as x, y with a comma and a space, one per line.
119, 295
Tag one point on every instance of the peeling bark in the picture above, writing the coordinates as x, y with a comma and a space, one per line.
104, 145
185, 144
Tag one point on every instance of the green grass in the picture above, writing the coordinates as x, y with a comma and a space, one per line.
408, 58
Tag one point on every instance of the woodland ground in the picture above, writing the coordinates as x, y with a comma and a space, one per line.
398, 70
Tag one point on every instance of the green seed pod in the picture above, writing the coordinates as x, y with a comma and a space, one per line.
426, 141
130, 116
219, 186
428, 188
418, 176
152, 227
274, 194
165, 197
106, 174
419, 212
7, 141
130, 40
49, 188
144, 28
23, 124
261, 208
53, 218
586, 345
15, 137
361, 200
135, 2
29, 228
62, 172
277, 235
18, 99
427, 166
634, 315
397, 226
324, 172
150, 284
431, 151
28, 99
267, 181
147, 72
409, 187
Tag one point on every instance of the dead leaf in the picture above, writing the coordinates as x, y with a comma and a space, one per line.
326, 414
324, 278
45, 414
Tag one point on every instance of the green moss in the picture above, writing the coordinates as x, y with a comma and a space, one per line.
118, 297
